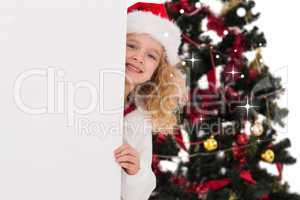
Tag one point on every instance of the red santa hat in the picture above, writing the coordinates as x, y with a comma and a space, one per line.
152, 18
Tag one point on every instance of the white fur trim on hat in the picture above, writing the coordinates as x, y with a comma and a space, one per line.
161, 29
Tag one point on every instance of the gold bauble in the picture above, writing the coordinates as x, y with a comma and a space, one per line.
210, 144
268, 155
232, 196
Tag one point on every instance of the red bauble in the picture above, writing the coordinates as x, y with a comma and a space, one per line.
242, 139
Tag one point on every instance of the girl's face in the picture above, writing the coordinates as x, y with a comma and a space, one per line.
143, 54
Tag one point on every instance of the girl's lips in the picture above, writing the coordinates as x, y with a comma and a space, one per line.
132, 68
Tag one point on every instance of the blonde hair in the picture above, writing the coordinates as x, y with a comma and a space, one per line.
165, 93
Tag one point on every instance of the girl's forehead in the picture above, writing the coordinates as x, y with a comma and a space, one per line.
144, 38
140, 37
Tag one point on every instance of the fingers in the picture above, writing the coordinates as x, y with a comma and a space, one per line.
121, 148
125, 150
128, 158
130, 168
130, 152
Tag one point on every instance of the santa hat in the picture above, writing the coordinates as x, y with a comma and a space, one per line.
152, 18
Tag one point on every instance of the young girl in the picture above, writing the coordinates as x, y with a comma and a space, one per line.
154, 89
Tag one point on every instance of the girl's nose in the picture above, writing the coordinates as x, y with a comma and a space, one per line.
139, 56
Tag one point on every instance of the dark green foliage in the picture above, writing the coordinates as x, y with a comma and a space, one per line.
235, 161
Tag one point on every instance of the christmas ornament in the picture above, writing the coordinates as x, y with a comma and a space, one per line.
257, 129
232, 196
241, 139
210, 144
268, 155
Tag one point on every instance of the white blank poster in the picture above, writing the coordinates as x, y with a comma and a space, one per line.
61, 98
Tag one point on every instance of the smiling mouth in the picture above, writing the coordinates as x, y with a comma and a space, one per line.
133, 68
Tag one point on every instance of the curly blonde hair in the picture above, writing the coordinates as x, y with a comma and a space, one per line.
163, 95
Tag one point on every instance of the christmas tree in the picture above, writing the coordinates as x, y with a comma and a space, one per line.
227, 128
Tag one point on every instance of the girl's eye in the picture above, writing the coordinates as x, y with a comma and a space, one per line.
152, 56
131, 46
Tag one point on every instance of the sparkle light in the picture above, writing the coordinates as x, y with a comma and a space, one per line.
233, 72
247, 106
193, 60
201, 119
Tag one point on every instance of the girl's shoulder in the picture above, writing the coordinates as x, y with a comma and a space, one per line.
138, 117
137, 127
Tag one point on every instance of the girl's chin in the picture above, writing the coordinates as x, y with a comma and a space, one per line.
132, 76
130, 79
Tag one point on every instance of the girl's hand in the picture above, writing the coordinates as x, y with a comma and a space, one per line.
128, 159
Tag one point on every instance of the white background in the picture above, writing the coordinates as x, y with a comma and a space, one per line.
279, 21
54, 155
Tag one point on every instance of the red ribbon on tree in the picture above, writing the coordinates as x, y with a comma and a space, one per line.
219, 183
179, 139
279, 167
